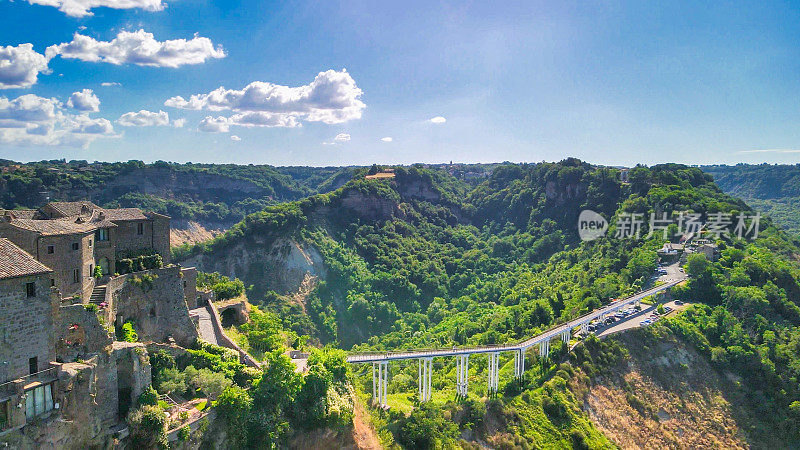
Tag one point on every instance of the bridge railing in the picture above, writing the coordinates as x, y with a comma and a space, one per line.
421, 352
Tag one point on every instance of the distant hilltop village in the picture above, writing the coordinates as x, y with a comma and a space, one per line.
70, 273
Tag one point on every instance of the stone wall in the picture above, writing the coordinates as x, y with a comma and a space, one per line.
79, 332
88, 396
26, 325
190, 286
161, 236
154, 301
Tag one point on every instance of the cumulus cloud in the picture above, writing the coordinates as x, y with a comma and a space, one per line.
108, 84
84, 101
342, 137
235, 138
214, 125
82, 8
144, 118
179, 123
139, 48
20, 66
33, 120
332, 97
438, 119
222, 124
386, 139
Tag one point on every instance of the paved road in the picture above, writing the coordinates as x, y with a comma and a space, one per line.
673, 277
634, 320
205, 327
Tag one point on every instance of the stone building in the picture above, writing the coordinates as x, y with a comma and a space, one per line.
27, 305
75, 237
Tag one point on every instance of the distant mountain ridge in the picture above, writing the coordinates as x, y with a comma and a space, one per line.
773, 189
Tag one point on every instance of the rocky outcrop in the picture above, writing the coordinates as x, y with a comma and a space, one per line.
561, 194
280, 265
369, 207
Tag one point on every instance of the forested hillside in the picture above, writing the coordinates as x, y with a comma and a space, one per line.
207, 193
772, 189
424, 259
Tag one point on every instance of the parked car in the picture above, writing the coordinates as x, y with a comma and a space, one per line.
667, 309
645, 323
678, 302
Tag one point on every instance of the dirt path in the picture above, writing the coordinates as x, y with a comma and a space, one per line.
363, 433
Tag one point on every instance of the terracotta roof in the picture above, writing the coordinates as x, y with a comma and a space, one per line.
23, 213
124, 214
72, 208
16, 262
54, 227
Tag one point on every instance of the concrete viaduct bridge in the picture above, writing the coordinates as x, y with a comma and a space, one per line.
380, 360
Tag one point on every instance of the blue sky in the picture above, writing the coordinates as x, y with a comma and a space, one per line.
609, 82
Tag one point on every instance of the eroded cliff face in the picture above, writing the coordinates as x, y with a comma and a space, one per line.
668, 396
283, 265
369, 207
564, 193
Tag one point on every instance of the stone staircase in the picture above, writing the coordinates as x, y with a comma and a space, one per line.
98, 295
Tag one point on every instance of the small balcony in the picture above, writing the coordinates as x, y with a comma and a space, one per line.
17, 386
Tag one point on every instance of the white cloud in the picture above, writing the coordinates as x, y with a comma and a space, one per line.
20, 66
386, 139
81, 8
144, 118
214, 125
84, 100
235, 138
83, 124
332, 97
263, 119
771, 150
342, 137
179, 123
222, 124
33, 120
438, 119
108, 84
138, 47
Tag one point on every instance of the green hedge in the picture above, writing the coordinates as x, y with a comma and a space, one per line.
139, 263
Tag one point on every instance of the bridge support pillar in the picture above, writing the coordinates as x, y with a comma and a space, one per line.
584, 327
519, 363
544, 349
425, 371
380, 382
462, 372
494, 376
565, 336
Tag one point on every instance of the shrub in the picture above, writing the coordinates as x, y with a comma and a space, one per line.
149, 397
171, 380
139, 263
147, 426
127, 333
211, 383
184, 432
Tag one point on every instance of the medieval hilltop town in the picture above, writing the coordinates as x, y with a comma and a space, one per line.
71, 273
